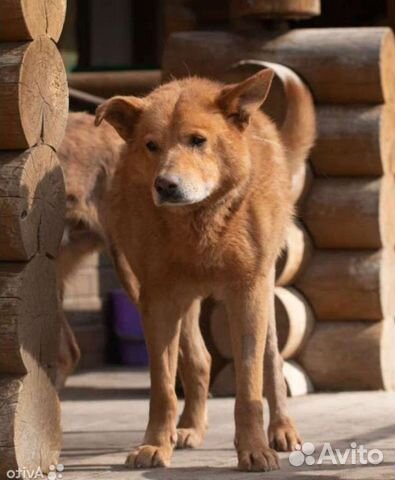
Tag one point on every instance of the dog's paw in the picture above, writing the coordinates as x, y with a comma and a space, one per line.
189, 438
149, 456
283, 435
258, 459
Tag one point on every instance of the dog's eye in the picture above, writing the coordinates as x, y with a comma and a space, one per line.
152, 146
197, 140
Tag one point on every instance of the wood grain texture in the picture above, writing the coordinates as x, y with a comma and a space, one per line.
33, 94
30, 433
350, 285
354, 141
351, 213
341, 66
288, 9
32, 203
28, 19
351, 356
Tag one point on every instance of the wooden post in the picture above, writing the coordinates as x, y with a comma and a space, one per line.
33, 112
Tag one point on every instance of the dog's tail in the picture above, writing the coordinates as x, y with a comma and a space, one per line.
298, 130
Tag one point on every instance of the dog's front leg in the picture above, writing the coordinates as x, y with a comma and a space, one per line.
249, 312
161, 321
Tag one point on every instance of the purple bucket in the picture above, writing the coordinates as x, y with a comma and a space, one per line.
128, 329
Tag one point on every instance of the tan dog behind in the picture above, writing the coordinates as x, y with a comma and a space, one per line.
200, 203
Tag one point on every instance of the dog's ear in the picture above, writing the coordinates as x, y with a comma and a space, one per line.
239, 101
122, 113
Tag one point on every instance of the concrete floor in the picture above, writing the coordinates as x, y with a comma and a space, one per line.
104, 415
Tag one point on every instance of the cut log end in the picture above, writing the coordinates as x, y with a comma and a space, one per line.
294, 321
295, 257
33, 95
27, 19
297, 380
30, 433
32, 200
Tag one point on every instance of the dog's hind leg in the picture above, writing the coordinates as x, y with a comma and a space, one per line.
73, 249
282, 432
194, 369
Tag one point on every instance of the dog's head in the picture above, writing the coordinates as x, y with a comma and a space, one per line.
187, 139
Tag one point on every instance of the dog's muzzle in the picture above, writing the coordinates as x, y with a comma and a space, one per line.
168, 189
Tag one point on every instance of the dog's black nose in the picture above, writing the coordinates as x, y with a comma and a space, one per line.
167, 187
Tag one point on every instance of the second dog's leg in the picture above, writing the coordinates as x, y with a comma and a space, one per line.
283, 435
194, 369
161, 330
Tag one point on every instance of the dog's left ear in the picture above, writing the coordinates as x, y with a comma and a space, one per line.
239, 101
122, 113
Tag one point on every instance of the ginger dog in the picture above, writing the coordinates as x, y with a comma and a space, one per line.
197, 203
200, 204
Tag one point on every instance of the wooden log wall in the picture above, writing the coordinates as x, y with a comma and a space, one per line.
33, 112
339, 266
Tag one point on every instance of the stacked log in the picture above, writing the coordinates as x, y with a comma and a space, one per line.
33, 112
346, 272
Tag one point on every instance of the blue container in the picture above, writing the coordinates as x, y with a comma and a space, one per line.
128, 329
